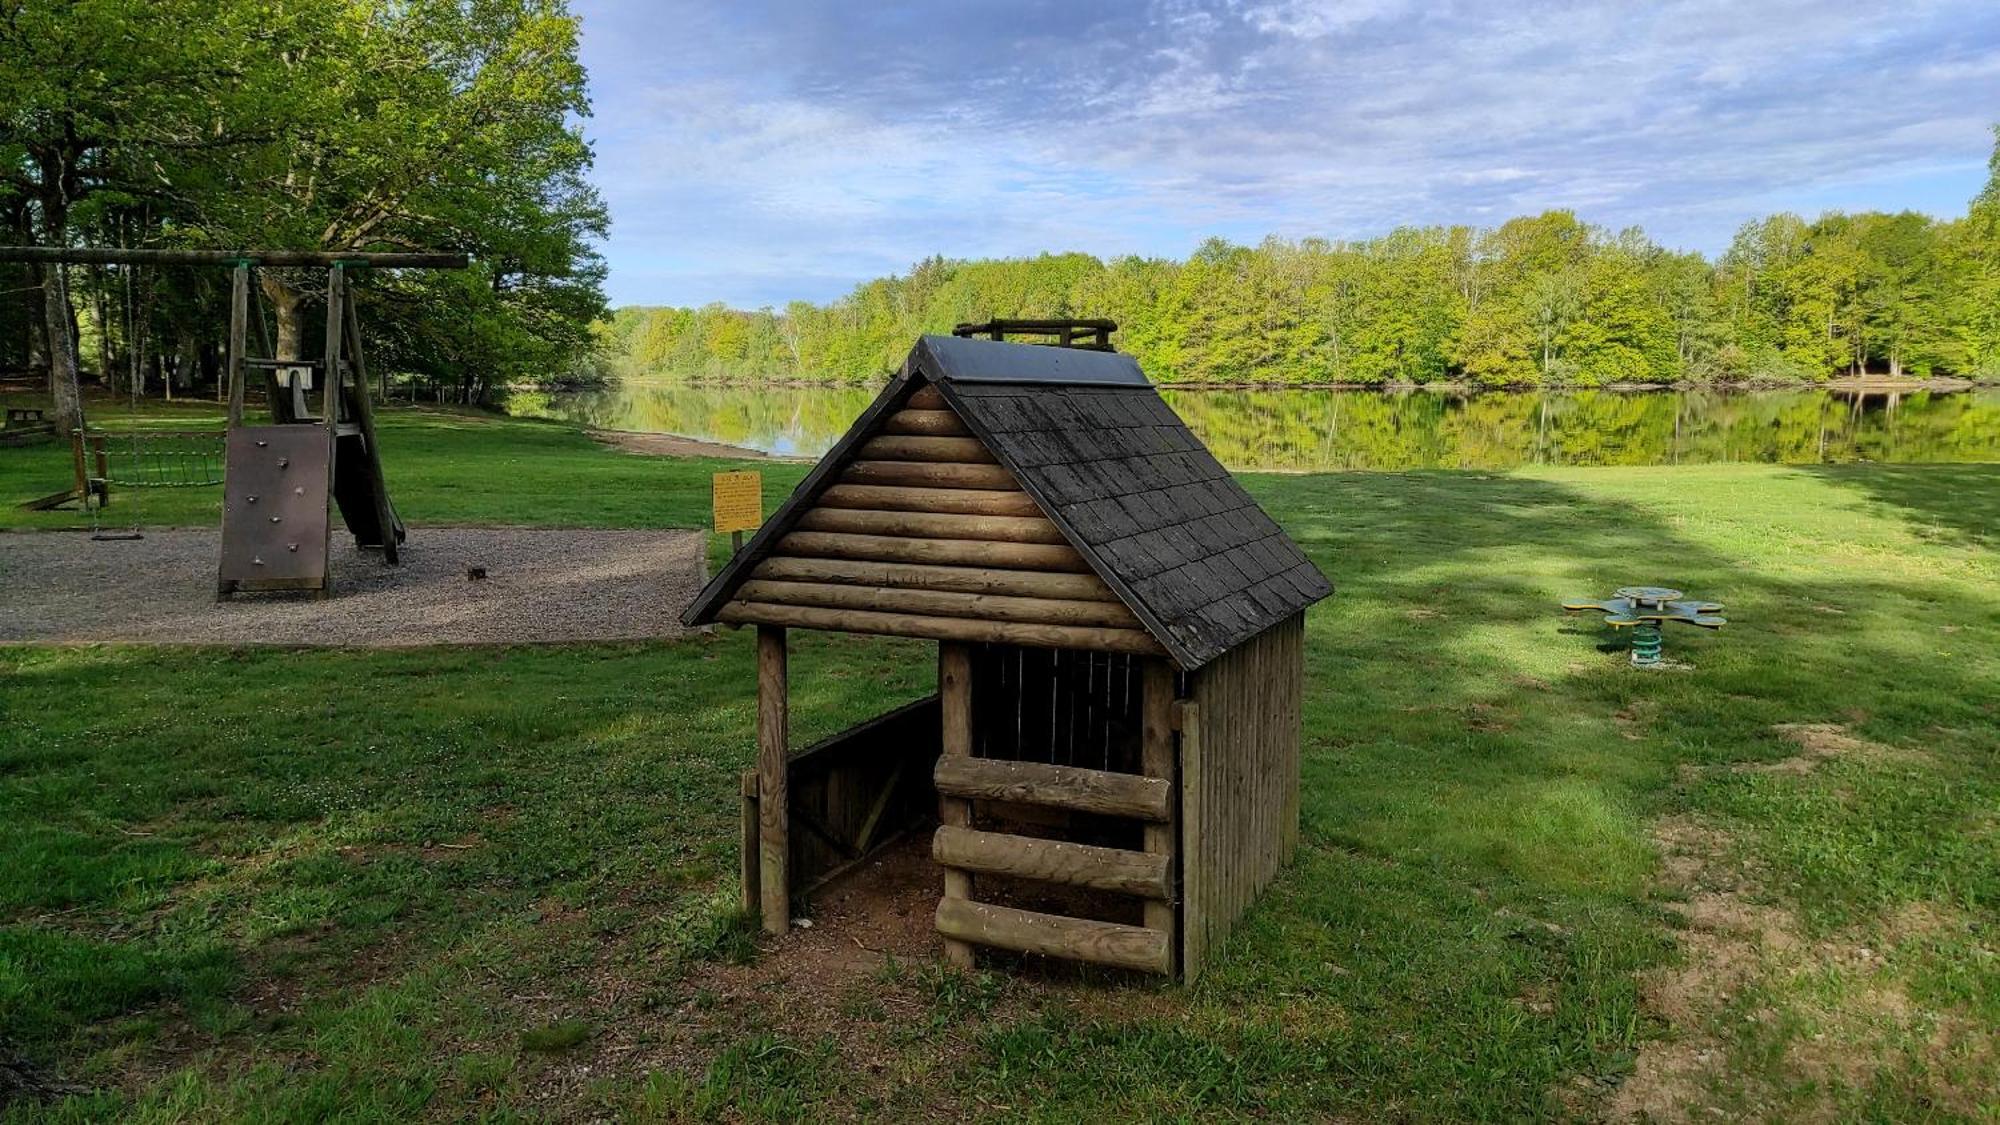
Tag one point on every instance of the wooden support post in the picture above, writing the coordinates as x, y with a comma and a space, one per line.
329, 408
82, 474
239, 325
1156, 756
955, 702
773, 837
329, 394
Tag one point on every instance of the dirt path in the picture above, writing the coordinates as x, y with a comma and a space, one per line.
541, 585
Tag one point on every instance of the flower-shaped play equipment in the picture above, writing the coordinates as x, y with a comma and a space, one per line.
1643, 609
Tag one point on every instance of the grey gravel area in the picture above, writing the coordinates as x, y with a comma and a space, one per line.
540, 585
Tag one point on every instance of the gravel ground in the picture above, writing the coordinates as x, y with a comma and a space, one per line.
541, 585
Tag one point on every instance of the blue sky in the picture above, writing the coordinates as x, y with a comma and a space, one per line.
758, 152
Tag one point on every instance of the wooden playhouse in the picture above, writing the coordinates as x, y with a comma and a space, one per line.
1112, 755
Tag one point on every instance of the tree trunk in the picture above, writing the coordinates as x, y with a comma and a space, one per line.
61, 344
103, 333
290, 344
148, 357
285, 308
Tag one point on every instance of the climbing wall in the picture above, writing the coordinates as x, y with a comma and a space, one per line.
274, 510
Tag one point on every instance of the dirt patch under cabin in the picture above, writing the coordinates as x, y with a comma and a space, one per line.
863, 976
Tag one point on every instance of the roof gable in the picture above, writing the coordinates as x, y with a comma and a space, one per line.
1136, 495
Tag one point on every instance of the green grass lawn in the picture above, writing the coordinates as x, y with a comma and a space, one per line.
1533, 882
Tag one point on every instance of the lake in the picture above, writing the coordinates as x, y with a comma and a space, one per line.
1301, 430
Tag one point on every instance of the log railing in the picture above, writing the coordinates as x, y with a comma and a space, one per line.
966, 852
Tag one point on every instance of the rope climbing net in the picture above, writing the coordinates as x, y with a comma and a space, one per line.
140, 460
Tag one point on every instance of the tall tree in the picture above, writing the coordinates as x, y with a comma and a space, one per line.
436, 125
106, 98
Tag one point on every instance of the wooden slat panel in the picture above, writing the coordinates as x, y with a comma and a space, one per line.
939, 603
1074, 939
933, 525
929, 475
852, 789
964, 579
1295, 731
940, 628
945, 552
926, 397
1197, 851
1066, 787
1156, 757
909, 447
1239, 791
966, 501
1052, 861
934, 423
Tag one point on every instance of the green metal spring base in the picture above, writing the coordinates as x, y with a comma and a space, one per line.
1646, 644
1643, 609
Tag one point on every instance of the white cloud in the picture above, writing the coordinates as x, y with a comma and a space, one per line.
771, 147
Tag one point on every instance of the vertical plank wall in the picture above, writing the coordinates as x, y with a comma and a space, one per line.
1239, 782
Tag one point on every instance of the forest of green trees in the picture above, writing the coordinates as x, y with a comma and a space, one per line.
340, 126
1545, 300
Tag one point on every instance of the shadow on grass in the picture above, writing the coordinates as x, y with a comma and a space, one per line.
1943, 503
1459, 937
1462, 931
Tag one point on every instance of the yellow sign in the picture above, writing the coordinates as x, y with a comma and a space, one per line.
739, 501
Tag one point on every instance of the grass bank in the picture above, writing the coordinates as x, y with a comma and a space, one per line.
1533, 882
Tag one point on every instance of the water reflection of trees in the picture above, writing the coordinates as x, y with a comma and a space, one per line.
1306, 430
1346, 430
802, 420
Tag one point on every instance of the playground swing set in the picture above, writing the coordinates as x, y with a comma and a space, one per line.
278, 479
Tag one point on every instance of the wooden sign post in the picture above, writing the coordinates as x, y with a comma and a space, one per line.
739, 505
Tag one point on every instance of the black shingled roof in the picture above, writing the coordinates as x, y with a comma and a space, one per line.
1138, 495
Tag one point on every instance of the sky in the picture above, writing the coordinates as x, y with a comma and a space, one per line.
763, 151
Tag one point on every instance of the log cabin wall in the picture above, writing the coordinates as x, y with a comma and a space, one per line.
1240, 733
925, 535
